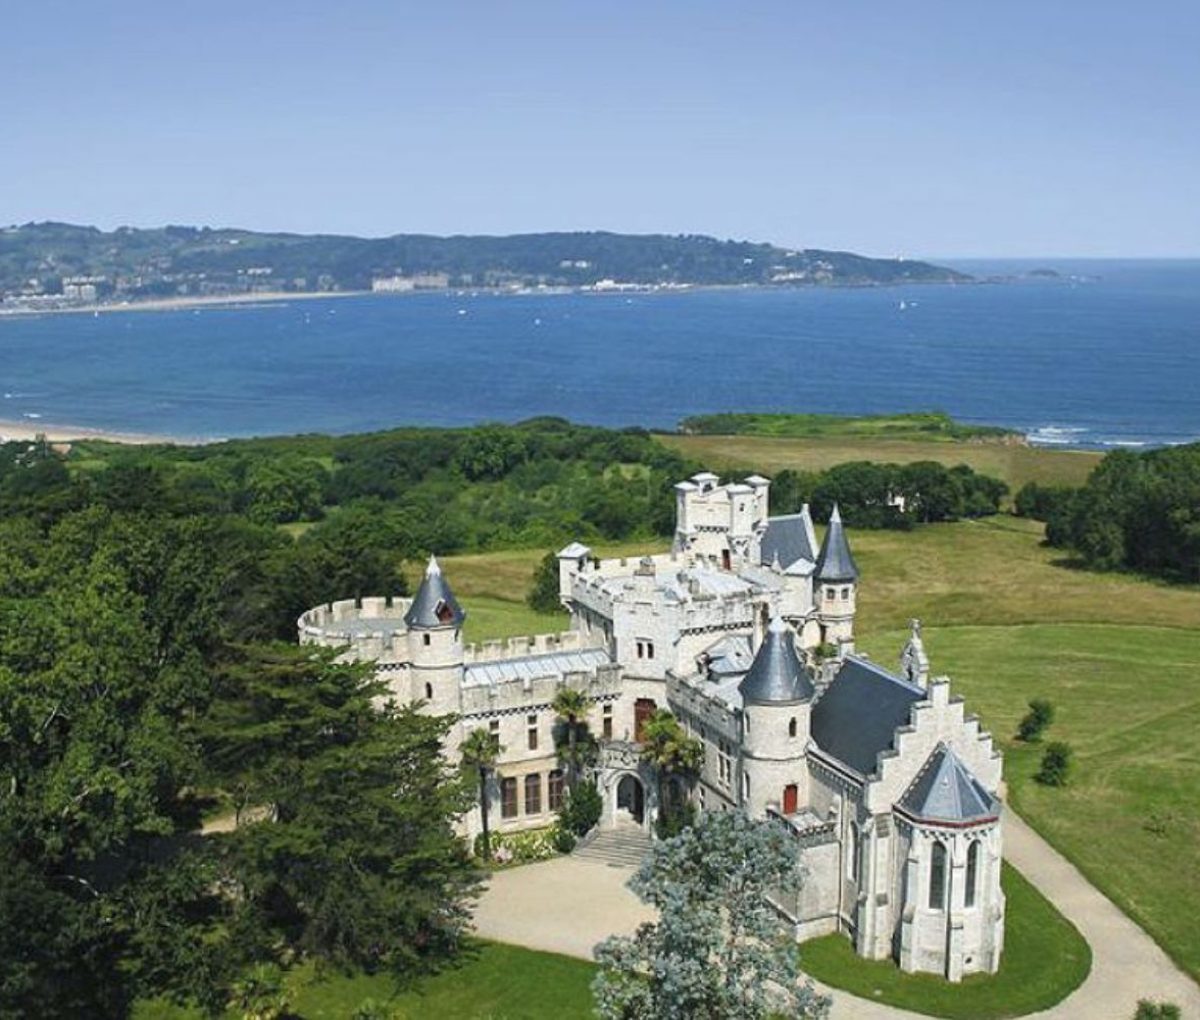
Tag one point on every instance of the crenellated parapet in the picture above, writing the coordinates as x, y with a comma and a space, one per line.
520, 647
371, 627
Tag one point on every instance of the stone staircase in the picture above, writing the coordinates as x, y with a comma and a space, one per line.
622, 847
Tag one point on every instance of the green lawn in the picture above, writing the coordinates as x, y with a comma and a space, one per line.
1045, 959
492, 982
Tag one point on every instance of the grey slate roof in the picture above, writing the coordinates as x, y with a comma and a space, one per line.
434, 604
730, 656
835, 562
858, 715
777, 676
946, 791
532, 667
787, 539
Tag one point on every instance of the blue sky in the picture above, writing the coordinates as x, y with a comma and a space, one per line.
923, 128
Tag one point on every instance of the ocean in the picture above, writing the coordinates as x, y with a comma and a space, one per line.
1107, 354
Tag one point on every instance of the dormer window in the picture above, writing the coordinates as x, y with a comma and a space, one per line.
443, 611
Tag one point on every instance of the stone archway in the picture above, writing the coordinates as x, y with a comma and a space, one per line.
630, 802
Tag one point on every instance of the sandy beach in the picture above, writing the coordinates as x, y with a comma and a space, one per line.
31, 429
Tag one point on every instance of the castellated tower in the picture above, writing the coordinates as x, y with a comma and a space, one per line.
435, 644
835, 585
777, 693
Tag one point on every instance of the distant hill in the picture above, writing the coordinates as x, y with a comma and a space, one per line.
45, 260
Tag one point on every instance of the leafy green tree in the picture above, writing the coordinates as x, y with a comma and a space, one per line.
1035, 721
675, 757
480, 752
581, 809
571, 706
1056, 764
356, 862
543, 595
718, 950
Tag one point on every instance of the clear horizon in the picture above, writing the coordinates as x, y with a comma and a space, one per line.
934, 133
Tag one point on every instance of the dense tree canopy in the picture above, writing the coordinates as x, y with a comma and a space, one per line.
1138, 511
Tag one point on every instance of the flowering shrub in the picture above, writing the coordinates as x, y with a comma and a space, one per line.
523, 847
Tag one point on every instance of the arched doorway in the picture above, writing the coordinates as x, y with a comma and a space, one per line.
631, 800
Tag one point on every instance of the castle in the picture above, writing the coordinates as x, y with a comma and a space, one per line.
745, 632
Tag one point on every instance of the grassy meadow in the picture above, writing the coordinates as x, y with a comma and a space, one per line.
1012, 463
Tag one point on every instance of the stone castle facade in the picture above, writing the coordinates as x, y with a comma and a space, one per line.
745, 632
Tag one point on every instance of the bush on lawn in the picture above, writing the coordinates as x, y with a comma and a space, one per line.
1039, 716
1056, 765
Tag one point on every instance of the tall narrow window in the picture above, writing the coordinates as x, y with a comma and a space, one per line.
508, 797
494, 728
425, 640
854, 858
533, 794
554, 790
937, 877
532, 731
792, 728
429, 692
972, 871
649, 649
607, 722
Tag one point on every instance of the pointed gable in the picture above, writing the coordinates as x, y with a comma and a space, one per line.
434, 605
946, 791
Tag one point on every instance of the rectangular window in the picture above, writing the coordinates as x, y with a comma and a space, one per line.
554, 791
531, 721
508, 797
641, 650
649, 649
494, 727
607, 722
972, 872
533, 794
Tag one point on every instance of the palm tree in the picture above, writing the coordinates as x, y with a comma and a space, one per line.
480, 751
671, 752
571, 706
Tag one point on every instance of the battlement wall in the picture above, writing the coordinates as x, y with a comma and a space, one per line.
520, 647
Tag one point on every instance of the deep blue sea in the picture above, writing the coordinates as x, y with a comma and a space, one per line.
1107, 354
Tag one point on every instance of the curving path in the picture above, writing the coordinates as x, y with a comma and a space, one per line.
568, 905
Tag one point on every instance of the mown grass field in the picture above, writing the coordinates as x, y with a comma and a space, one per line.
1045, 959
1009, 619
490, 982
1013, 464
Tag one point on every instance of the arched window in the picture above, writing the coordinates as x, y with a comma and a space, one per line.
937, 877
972, 871
854, 858
429, 692
792, 728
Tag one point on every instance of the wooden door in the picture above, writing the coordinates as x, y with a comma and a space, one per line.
791, 799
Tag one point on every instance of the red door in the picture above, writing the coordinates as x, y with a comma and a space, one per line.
790, 799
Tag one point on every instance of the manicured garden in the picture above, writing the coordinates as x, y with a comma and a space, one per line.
1045, 959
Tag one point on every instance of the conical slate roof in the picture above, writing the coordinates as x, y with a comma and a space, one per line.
434, 604
945, 791
835, 562
777, 676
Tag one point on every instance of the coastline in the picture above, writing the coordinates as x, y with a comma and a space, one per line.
177, 304
27, 431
